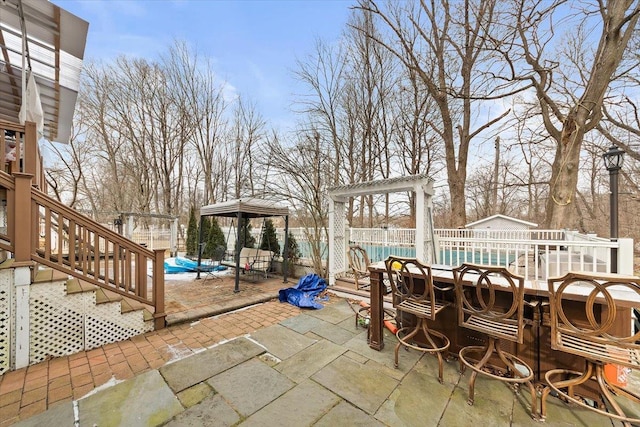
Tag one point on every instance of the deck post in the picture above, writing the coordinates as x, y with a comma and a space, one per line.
24, 220
31, 151
158, 289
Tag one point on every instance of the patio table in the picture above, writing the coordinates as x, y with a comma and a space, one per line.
536, 349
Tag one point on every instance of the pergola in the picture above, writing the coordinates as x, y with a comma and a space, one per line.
421, 185
247, 208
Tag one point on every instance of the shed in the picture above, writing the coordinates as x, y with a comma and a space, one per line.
247, 208
501, 222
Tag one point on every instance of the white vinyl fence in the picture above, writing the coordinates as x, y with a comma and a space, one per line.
535, 254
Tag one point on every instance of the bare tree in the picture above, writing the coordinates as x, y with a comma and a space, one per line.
446, 46
204, 101
248, 129
570, 87
301, 172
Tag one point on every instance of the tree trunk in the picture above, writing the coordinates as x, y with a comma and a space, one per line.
564, 176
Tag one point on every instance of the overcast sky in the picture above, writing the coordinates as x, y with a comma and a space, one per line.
254, 44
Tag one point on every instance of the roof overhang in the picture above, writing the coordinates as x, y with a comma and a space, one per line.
53, 43
249, 207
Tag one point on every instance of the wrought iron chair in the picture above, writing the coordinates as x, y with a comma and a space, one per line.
476, 288
593, 336
359, 266
216, 259
413, 292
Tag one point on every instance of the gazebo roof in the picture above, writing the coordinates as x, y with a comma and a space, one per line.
249, 207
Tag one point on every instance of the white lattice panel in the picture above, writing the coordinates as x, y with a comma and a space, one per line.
56, 321
7, 309
339, 244
104, 326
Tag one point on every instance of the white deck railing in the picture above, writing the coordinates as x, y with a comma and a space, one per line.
534, 254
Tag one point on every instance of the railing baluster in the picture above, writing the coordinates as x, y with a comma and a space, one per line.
117, 251
127, 271
47, 233
96, 255
72, 244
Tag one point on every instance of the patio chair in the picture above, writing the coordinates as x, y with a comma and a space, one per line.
479, 310
215, 264
414, 293
591, 334
359, 266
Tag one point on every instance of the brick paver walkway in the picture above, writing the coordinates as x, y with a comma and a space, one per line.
32, 390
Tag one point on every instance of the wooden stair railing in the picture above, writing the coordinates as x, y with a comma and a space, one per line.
38, 227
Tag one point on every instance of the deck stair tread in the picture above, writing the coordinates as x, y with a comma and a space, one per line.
7, 263
49, 275
75, 286
128, 305
104, 296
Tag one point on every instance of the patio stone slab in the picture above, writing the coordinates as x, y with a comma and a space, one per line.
559, 414
202, 366
302, 323
301, 406
280, 341
211, 412
362, 385
407, 359
334, 313
194, 395
428, 365
345, 414
333, 333
493, 404
308, 361
57, 415
349, 324
420, 389
147, 395
250, 386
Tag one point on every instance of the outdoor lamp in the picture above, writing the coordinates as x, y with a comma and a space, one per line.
613, 160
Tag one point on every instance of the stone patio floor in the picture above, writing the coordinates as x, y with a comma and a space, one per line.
266, 364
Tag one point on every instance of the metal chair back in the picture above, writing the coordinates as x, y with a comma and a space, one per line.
591, 331
490, 300
412, 281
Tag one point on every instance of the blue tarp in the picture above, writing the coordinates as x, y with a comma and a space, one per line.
305, 293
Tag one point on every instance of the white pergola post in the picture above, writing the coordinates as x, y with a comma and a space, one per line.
420, 224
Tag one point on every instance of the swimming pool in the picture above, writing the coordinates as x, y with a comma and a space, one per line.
447, 256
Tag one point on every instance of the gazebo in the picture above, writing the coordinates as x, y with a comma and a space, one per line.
247, 208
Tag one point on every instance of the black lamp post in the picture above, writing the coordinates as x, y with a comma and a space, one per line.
613, 160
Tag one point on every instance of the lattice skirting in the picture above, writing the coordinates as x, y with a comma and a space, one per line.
62, 324
7, 323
